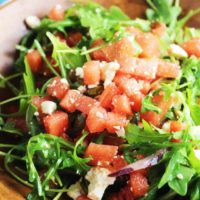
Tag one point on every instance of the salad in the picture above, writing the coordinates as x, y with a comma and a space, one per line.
102, 106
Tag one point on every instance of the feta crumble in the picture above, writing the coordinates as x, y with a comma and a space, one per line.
79, 72
32, 22
177, 51
108, 71
48, 107
75, 190
99, 181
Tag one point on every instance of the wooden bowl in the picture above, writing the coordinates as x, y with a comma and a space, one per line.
12, 29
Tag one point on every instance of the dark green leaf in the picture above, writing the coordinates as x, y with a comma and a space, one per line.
135, 134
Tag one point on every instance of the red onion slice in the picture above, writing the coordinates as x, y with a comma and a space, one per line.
141, 164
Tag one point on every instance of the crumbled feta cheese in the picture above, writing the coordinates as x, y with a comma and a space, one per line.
36, 113
79, 72
195, 132
121, 132
48, 107
92, 86
166, 126
108, 71
82, 89
32, 22
64, 81
75, 190
99, 181
99, 115
197, 153
177, 51
179, 176
54, 93
117, 127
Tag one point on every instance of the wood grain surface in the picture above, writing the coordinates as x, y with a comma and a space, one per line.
11, 22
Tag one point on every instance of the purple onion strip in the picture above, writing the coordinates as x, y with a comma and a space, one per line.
140, 164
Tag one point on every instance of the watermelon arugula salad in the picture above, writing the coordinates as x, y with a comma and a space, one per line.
102, 106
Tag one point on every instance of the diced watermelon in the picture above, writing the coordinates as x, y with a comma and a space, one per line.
133, 31
139, 68
129, 86
115, 122
107, 95
176, 126
101, 154
56, 123
192, 47
83, 197
151, 117
124, 193
139, 184
57, 13
168, 70
158, 28
121, 104
98, 54
118, 163
149, 44
74, 38
85, 103
145, 86
69, 100
91, 73
35, 61
164, 105
136, 101
60, 36
58, 87
116, 51
96, 120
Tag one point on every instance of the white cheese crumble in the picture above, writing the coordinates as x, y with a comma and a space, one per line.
99, 181
108, 71
32, 22
82, 89
36, 113
92, 86
75, 190
180, 176
177, 51
120, 132
195, 132
48, 107
64, 81
166, 126
197, 153
99, 115
79, 72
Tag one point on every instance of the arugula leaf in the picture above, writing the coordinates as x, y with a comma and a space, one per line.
29, 79
180, 185
166, 11
42, 53
31, 121
52, 25
194, 160
44, 150
177, 173
147, 105
195, 190
65, 56
135, 134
